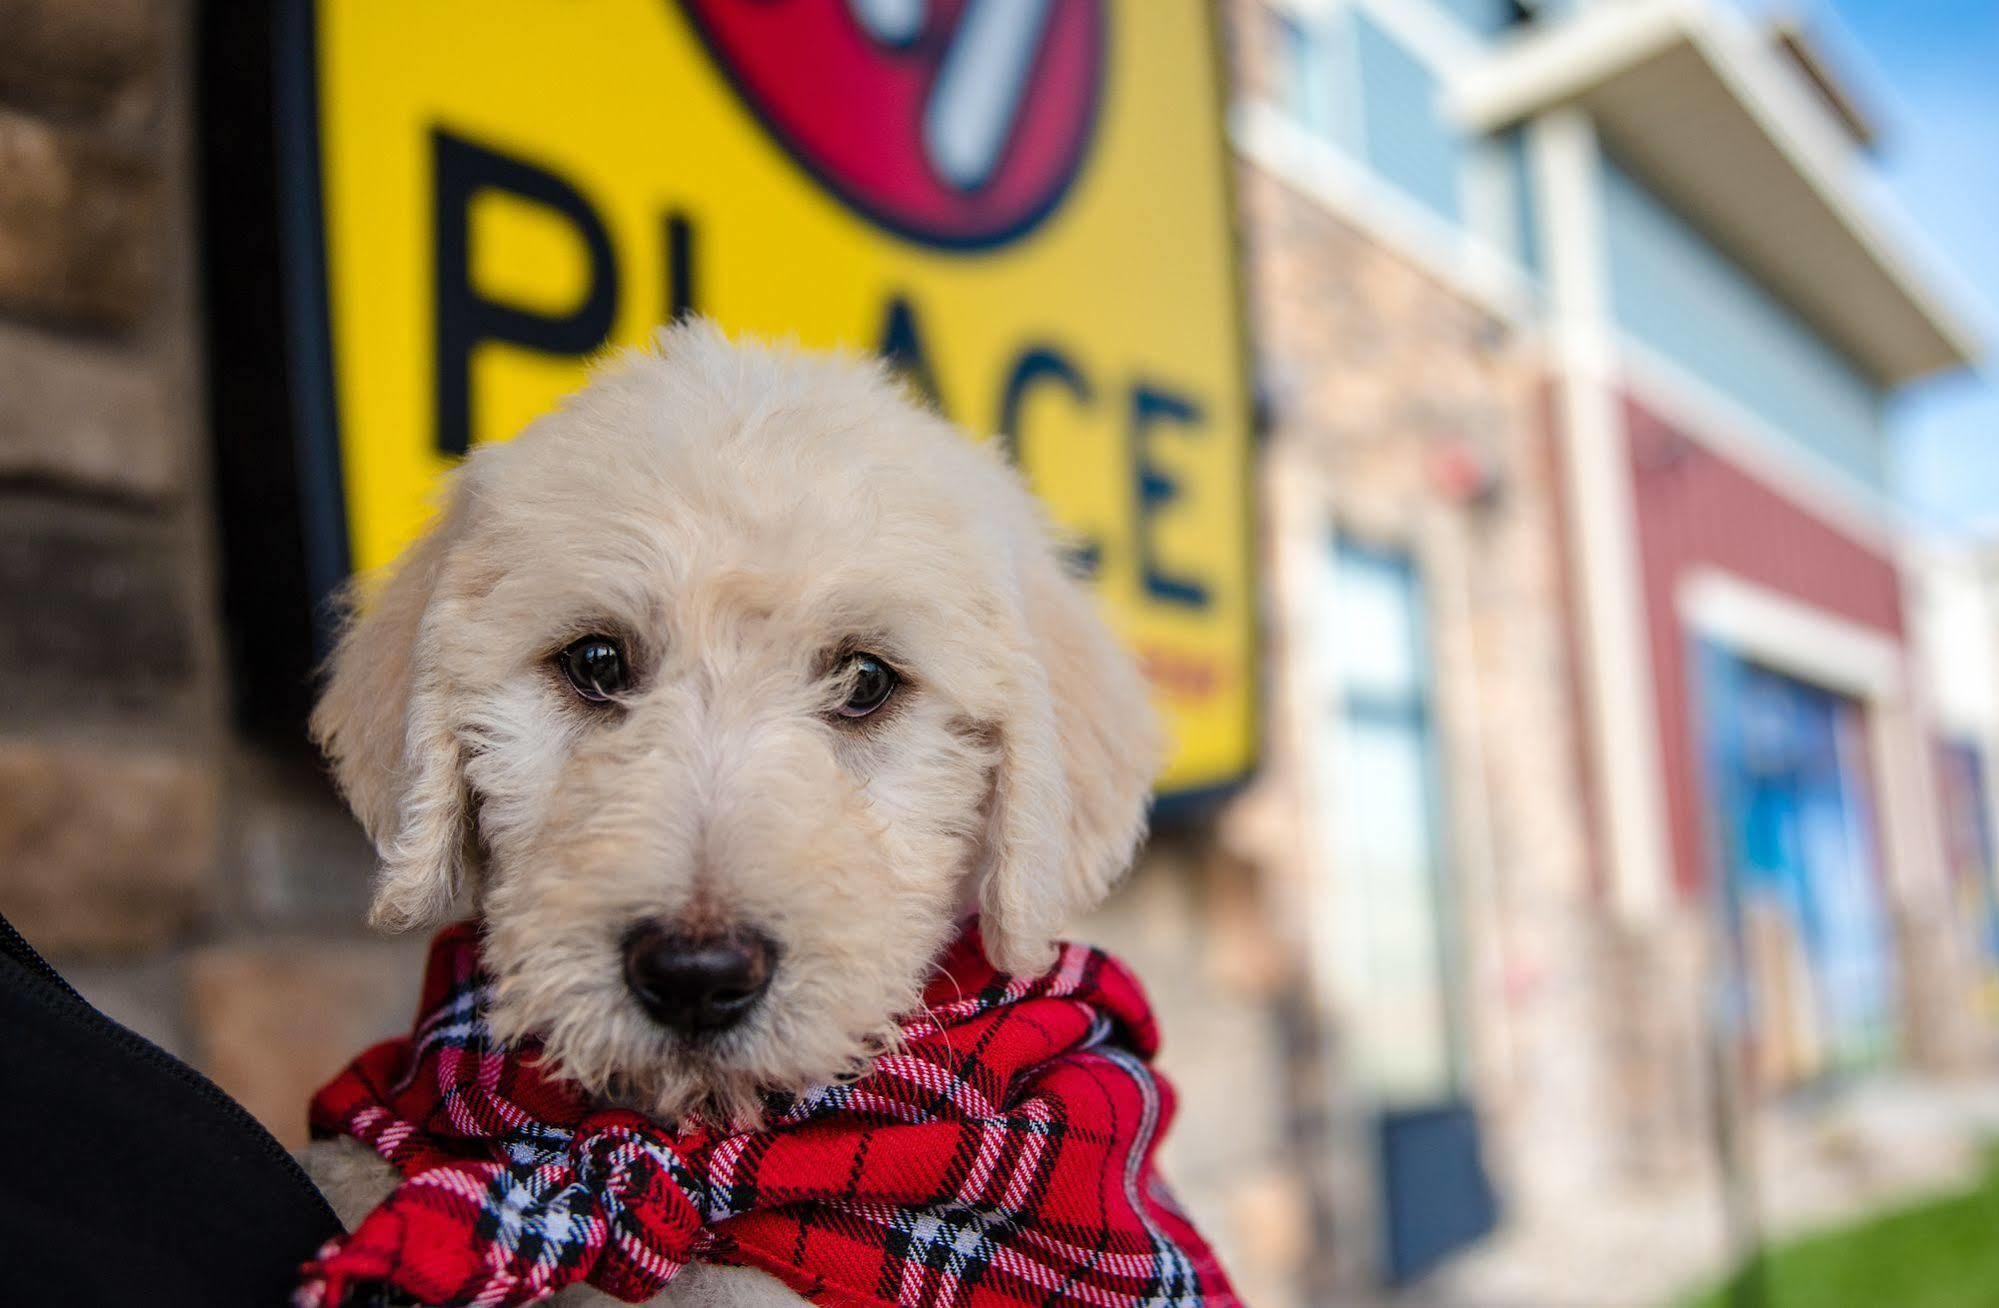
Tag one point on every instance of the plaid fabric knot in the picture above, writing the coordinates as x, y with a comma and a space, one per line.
1002, 1156
620, 1216
639, 1183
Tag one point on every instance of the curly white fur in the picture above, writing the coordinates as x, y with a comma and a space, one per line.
739, 514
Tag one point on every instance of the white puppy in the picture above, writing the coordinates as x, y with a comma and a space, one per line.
723, 695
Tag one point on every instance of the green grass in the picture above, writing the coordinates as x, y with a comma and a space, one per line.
1940, 1253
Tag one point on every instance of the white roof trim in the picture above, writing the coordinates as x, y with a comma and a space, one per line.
1852, 278
1792, 636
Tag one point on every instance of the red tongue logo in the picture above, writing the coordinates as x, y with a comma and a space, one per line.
958, 123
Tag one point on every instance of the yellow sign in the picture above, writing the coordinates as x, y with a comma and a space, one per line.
1025, 202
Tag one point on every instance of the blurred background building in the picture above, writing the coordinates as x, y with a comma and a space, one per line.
1615, 881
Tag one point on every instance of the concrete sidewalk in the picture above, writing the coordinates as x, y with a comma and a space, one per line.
1823, 1163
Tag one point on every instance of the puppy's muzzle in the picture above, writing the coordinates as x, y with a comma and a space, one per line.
697, 985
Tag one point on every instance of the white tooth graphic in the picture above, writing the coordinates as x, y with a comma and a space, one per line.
977, 95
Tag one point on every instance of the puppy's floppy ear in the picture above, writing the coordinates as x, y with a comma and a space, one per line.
1079, 749
381, 720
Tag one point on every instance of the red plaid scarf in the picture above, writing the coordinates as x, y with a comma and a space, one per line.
1001, 1156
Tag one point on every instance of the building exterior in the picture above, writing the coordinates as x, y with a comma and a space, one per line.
1617, 877
1607, 770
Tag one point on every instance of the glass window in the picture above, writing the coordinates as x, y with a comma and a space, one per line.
1409, 141
1677, 291
1384, 809
1378, 657
1303, 71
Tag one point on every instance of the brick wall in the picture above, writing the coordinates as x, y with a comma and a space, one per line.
107, 764
204, 892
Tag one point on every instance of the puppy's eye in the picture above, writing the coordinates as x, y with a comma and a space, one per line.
870, 683
595, 666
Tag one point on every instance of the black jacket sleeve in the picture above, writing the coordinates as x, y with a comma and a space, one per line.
126, 1176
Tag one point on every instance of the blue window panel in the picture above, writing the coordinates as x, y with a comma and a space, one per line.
1407, 140
1676, 292
1303, 81
1313, 75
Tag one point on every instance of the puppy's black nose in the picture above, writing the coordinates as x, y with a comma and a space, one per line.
697, 984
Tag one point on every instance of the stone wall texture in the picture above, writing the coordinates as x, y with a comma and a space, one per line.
110, 741
199, 888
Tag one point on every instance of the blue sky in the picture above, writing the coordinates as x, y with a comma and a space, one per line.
1929, 69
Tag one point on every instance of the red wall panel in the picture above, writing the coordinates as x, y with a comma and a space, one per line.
1696, 509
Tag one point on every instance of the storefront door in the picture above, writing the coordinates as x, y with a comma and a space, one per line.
1793, 829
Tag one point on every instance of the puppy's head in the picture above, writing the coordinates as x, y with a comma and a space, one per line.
727, 691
